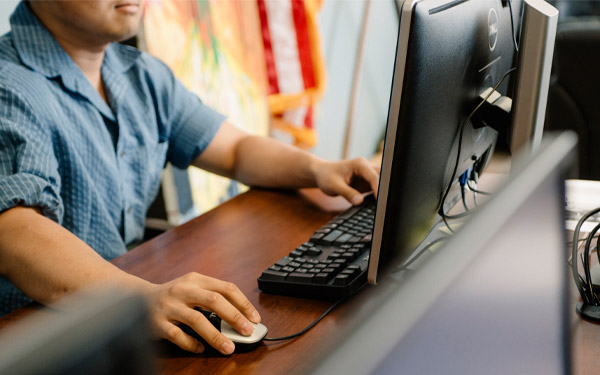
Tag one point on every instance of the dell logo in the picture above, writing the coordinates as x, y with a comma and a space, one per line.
493, 28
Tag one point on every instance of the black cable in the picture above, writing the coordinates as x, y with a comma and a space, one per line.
512, 25
448, 224
586, 263
597, 249
579, 282
305, 329
570, 243
460, 136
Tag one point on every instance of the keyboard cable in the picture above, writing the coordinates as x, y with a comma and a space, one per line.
289, 337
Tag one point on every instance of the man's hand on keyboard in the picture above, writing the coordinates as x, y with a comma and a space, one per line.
348, 178
174, 302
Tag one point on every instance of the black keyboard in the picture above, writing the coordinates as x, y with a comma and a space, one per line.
332, 263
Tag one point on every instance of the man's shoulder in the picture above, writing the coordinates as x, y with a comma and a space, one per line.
16, 79
8, 53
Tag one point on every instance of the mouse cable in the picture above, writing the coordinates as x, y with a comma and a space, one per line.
307, 328
460, 136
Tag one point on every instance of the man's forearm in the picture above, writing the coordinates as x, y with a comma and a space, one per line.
266, 162
260, 161
47, 262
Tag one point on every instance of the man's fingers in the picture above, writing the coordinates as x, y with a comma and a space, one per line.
200, 324
235, 297
366, 170
174, 334
352, 195
225, 310
224, 298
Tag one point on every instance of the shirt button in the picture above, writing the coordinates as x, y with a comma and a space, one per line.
122, 153
130, 209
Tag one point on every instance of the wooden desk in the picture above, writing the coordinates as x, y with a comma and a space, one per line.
236, 242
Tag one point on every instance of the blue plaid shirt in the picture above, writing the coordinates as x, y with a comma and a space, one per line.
91, 167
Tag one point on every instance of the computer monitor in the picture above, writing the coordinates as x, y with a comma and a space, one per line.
448, 54
493, 300
105, 332
539, 26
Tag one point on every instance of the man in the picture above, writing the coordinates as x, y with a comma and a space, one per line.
86, 126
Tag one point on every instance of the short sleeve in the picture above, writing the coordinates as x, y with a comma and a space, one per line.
196, 129
191, 124
28, 167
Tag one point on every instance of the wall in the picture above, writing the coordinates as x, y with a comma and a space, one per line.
340, 22
6, 9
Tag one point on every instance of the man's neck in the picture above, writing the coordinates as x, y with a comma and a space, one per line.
89, 60
87, 53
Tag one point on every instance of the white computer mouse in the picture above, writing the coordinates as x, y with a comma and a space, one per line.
242, 343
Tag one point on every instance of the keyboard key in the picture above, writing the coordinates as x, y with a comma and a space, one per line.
322, 278
348, 213
341, 279
351, 273
332, 236
343, 238
283, 261
274, 275
275, 268
334, 256
297, 277
314, 251
348, 256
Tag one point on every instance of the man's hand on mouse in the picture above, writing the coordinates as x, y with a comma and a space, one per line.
173, 303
